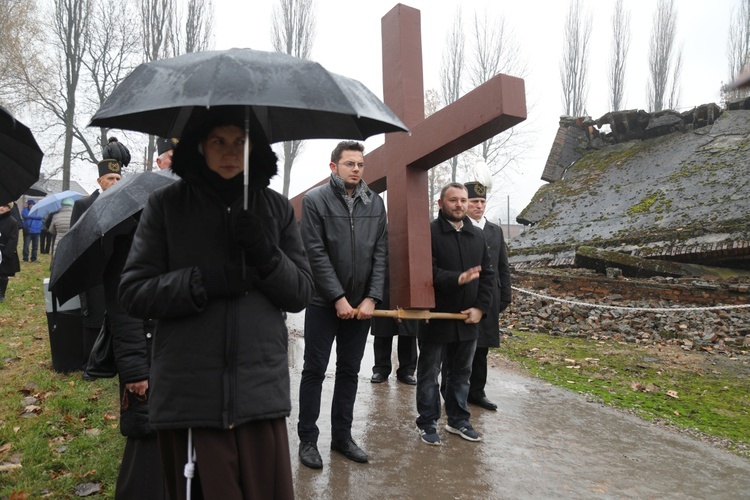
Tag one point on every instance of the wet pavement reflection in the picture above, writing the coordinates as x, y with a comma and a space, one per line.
543, 442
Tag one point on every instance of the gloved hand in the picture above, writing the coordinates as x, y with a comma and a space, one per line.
225, 281
250, 233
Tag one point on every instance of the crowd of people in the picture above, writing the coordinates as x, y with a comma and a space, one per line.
198, 324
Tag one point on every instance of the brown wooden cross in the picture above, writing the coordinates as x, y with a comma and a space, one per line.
401, 164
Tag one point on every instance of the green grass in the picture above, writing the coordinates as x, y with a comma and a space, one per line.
67, 433
695, 391
72, 436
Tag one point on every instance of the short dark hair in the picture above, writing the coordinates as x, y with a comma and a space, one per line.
456, 185
346, 146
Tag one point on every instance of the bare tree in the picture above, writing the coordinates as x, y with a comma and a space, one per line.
70, 32
575, 61
661, 53
451, 72
674, 92
738, 47
111, 54
292, 32
197, 17
619, 55
495, 50
20, 31
156, 27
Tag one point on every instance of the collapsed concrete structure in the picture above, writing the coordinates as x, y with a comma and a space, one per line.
666, 185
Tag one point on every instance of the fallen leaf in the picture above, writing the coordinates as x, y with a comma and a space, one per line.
673, 394
4, 467
571, 361
86, 489
108, 415
18, 495
637, 386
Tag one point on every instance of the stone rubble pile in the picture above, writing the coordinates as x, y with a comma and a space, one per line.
721, 331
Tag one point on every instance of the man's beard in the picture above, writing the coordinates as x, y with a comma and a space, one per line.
449, 215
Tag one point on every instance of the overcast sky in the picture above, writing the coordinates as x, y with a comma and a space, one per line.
348, 42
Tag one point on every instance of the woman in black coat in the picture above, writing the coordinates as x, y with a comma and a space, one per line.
9, 264
217, 277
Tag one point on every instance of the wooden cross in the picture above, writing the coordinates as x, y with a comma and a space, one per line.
401, 164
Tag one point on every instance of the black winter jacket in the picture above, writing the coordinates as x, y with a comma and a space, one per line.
347, 252
489, 327
131, 341
216, 362
453, 252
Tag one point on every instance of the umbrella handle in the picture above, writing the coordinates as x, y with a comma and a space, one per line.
246, 162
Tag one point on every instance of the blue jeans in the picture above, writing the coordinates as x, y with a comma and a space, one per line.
457, 357
322, 326
34, 240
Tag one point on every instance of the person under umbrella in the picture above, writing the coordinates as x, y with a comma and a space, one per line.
60, 223
116, 156
9, 264
216, 278
165, 150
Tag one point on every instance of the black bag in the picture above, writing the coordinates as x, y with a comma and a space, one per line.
102, 358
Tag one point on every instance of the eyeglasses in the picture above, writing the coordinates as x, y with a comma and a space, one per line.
351, 164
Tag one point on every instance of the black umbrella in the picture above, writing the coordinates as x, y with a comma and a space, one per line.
81, 255
36, 189
291, 98
20, 158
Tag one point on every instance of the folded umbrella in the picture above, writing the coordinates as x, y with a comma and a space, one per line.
81, 255
20, 158
53, 202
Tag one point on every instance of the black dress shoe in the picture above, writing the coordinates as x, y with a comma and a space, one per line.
378, 378
483, 402
309, 456
408, 380
349, 449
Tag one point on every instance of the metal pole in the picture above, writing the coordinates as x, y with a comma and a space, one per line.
508, 224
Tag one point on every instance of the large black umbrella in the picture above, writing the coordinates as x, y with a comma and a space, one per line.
82, 253
20, 158
36, 189
292, 98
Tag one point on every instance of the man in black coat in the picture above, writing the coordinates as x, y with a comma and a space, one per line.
463, 279
489, 328
92, 300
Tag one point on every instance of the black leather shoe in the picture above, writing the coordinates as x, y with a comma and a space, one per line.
378, 378
483, 402
408, 380
309, 456
350, 450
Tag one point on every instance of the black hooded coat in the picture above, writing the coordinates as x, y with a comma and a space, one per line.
217, 362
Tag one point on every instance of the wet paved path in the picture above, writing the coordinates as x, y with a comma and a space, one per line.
543, 442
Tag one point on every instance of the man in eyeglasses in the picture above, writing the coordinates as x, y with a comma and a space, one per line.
343, 229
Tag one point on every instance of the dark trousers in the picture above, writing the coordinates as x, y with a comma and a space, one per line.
407, 355
141, 473
456, 359
45, 242
30, 240
322, 327
478, 379
247, 462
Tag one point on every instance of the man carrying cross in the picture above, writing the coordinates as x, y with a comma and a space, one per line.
463, 280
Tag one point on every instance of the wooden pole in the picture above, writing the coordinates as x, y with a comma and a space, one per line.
414, 314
